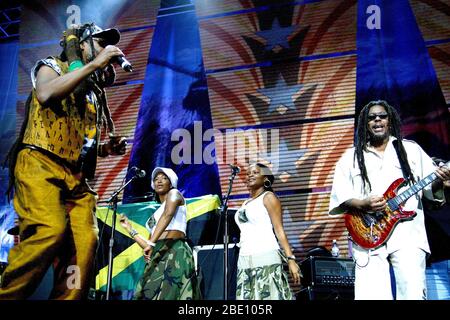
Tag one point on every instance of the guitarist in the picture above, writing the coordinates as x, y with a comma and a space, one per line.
362, 175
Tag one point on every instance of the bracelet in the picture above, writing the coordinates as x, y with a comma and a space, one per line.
291, 257
151, 244
133, 233
74, 65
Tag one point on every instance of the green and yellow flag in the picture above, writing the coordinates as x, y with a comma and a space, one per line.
128, 262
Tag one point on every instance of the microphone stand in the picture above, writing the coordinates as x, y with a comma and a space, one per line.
114, 199
224, 213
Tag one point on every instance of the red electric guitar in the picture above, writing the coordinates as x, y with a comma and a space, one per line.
372, 230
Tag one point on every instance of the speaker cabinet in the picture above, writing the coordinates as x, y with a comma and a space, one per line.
328, 271
327, 278
210, 268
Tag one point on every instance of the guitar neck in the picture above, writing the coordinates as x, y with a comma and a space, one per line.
402, 197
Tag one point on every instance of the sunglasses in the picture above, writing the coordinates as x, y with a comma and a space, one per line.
373, 116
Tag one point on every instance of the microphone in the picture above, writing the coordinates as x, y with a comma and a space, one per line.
138, 172
234, 168
124, 63
438, 160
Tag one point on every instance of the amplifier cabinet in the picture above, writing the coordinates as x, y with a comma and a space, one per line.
328, 272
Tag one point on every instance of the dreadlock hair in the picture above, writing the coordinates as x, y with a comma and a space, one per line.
363, 137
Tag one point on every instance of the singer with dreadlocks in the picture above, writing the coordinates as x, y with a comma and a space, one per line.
362, 176
54, 155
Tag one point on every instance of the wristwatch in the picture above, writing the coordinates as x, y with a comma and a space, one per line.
291, 257
133, 233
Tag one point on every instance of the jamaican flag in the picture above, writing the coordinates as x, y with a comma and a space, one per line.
128, 262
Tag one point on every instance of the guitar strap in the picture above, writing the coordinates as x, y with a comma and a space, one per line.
402, 165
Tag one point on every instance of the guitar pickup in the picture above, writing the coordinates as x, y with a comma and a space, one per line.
367, 219
378, 215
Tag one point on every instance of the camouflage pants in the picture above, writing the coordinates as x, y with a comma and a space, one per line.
170, 274
262, 277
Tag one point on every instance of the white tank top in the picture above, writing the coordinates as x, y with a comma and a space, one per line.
257, 234
178, 221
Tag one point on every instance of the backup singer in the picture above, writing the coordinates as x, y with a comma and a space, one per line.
169, 273
260, 270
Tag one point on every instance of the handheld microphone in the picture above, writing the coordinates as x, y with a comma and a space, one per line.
234, 168
124, 63
438, 160
138, 172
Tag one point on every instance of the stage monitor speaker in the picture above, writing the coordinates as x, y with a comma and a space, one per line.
210, 268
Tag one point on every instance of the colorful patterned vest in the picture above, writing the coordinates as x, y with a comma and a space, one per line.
66, 130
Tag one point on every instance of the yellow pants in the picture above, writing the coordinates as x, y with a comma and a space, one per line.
57, 226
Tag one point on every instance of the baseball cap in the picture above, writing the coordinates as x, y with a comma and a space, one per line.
110, 35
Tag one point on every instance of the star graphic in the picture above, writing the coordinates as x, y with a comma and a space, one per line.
277, 36
280, 96
282, 161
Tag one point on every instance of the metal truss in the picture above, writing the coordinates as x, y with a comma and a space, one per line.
9, 23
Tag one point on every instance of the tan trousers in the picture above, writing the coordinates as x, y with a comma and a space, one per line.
57, 226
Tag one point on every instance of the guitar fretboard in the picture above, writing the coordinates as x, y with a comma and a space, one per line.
402, 197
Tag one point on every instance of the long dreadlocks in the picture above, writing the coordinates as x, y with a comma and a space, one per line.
363, 137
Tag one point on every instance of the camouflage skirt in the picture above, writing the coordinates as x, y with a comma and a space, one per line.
262, 277
170, 274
